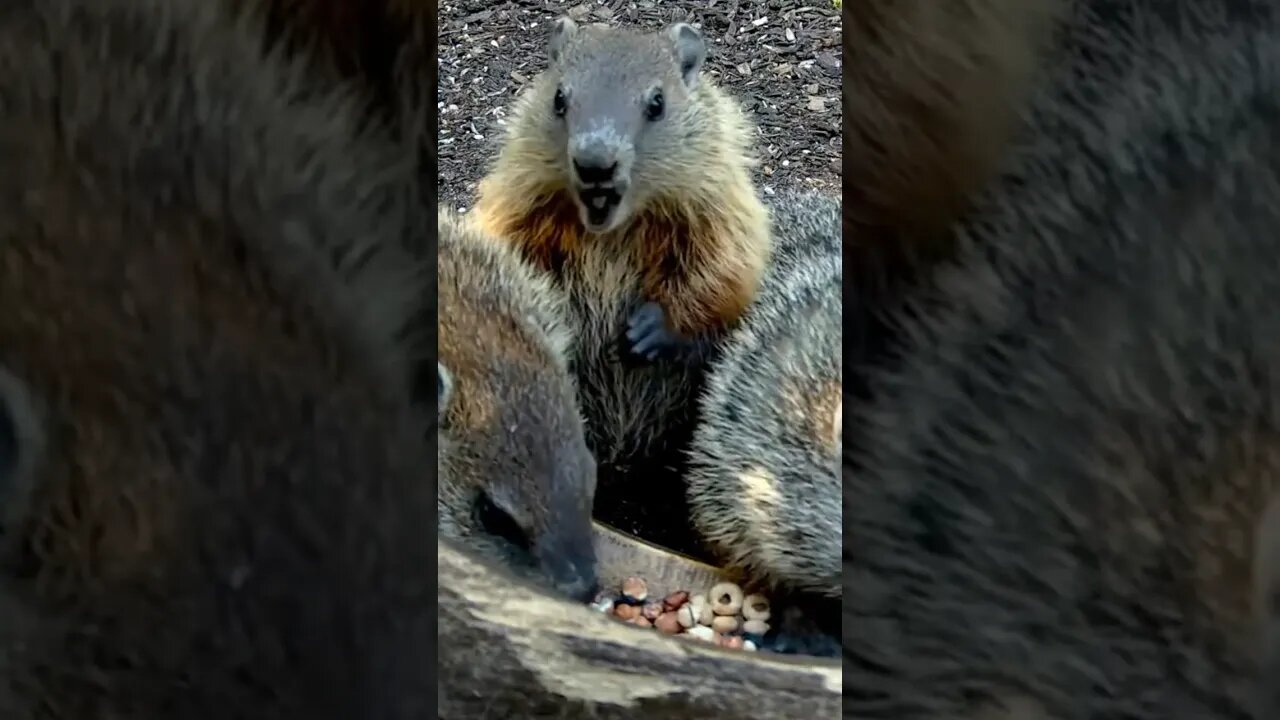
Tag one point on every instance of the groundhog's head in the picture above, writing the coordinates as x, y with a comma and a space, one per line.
517, 477
621, 104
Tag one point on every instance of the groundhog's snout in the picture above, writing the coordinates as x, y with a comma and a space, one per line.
600, 173
570, 564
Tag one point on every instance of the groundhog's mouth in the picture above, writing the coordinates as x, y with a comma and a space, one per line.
598, 205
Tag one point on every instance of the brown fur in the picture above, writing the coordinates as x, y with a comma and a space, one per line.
222, 504
932, 92
700, 237
932, 95
510, 434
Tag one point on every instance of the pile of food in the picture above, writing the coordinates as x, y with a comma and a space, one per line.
723, 615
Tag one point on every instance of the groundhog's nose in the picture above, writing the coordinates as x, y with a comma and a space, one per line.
571, 569
595, 164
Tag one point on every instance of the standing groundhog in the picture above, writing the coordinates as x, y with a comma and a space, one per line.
623, 148
626, 173
1060, 510
763, 482
216, 502
516, 476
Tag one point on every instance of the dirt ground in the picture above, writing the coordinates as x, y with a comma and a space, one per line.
780, 58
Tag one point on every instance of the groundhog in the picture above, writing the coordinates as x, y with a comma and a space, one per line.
515, 472
1055, 513
763, 481
625, 172
622, 147
932, 98
216, 500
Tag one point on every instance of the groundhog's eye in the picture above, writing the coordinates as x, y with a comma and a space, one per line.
655, 107
499, 523
560, 103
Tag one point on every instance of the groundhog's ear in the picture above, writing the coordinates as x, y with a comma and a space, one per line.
19, 446
691, 50
561, 32
444, 388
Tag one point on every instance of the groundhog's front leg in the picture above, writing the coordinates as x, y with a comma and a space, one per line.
652, 338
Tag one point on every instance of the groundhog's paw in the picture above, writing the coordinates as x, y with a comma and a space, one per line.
651, 339
648, 333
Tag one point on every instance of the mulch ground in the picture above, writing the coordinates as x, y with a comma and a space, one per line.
780, 58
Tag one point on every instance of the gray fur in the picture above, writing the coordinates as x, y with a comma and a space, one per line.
511, 437
1059, 487
763, 482
229, 510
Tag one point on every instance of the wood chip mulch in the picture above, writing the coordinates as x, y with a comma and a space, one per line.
780, 58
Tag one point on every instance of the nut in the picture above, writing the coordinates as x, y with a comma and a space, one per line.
755, 607
724, 624
667, 623
634, 588
726, 599
755, 627
675, 600
685, 616
626, 612
642, 621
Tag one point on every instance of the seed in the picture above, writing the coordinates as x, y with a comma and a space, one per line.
755, 607
675, 600
642, 621
668, 623
634, 588
755, 627
724, 624
685, 616
726, 599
